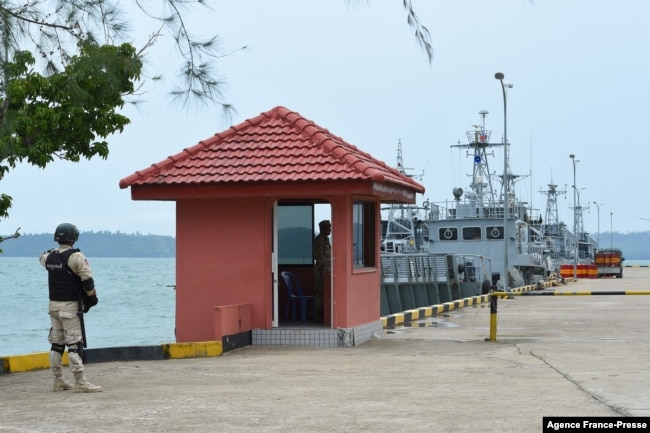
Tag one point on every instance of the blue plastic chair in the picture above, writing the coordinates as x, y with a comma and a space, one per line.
295, 297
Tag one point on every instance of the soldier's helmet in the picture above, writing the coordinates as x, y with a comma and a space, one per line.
66, 232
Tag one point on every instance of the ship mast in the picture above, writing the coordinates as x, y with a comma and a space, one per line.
404, 230
551, 223
478, 141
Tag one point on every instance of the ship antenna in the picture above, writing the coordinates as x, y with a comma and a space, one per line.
483, 113
400, 159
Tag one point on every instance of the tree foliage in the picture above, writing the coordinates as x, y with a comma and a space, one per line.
422, 35
65, 72
420, 31
67, 114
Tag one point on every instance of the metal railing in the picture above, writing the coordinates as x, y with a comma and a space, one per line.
410, 281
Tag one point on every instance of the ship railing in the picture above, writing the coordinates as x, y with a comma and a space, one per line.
466, 209
422, 267
410, 281
479, 137
470, 208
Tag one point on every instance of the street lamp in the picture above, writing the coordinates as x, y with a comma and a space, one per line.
580, 228
611, 244
598, 207
499, 76
575, 220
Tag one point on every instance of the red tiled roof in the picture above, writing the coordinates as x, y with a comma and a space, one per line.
277, 146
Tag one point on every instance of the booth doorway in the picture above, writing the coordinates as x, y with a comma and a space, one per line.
295, 225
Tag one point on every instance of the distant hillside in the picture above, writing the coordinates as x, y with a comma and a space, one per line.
635, 245
95, 244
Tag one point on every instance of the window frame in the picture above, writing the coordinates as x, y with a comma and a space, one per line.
442, 232
489, 233
306, 243
364, 234
472, 233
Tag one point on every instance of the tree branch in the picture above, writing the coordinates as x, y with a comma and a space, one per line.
4, 10
15, 235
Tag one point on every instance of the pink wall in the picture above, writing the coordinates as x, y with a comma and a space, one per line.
231, 320
356, 291
222, 257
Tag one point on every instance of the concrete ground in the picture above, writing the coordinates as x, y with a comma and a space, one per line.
553, 356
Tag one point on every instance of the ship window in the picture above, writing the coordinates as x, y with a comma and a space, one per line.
448, 234
494, 232
471, 233
364, 241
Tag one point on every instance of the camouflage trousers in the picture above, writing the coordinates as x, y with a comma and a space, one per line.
65, 331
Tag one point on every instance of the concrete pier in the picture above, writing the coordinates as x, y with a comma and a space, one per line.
554, 356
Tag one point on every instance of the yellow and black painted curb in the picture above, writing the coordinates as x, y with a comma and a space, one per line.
41, 360
431, 311
397, 319
205, 349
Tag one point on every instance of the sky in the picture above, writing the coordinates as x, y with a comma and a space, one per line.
580, 71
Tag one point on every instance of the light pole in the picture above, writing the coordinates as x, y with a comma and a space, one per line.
598, 207
580, 228
575, 234
611, 244
499, 76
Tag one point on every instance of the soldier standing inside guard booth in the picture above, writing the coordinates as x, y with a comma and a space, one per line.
322, 266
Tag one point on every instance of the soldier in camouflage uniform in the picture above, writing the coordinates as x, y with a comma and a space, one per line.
72, 290
322, 266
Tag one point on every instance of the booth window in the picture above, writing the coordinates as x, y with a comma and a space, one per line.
364, 242
295, 234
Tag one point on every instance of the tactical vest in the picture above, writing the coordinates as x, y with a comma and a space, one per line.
64, 284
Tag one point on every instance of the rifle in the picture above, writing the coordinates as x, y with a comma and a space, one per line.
83, 345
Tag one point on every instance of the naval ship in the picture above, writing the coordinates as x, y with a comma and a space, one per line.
488, 219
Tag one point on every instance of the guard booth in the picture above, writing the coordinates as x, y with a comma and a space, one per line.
245, 204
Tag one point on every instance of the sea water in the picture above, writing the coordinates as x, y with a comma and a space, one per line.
136, 304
